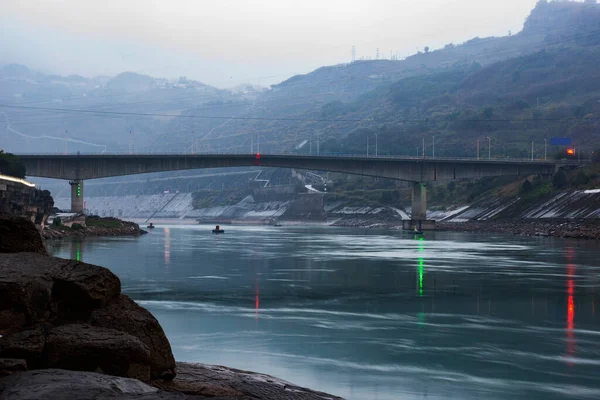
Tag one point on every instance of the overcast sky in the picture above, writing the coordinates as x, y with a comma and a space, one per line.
227, 42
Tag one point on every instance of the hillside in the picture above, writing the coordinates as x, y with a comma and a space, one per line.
30, 129
382, 93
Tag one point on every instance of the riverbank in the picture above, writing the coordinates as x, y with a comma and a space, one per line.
548, 227
559, 228
92, 226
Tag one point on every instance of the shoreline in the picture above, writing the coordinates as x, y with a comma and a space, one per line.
588, 229
550, 227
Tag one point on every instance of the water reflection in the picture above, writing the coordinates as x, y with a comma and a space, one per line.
167, 245
346, 311
570, 340
421, 264
76, 253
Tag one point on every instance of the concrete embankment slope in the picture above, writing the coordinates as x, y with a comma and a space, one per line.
576, 204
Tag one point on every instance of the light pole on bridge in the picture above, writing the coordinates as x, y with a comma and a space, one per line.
489, 148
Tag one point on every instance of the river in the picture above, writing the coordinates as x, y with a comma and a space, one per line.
369, 314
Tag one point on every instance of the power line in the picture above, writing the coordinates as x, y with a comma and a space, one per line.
96, 112
420, 120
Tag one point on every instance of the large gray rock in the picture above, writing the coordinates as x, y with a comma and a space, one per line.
9, 366
35, 288
127, 316
28, 345
19, 235
228, 383
56, 384
85, 348
68, 314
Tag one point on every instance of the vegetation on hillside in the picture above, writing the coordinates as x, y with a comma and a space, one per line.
11, 165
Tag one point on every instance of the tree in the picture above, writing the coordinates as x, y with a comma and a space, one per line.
11, 165
426, 49
581, 178
559, 180
526, 187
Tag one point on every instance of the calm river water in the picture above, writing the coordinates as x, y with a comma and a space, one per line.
368, 314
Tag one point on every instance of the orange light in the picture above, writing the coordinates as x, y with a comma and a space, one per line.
570, 152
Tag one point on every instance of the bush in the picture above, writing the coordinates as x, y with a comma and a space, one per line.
11, 165
57, 222
559, 180
581, 178
526, 187
77, 227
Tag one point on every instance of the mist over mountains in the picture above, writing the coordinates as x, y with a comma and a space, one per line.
523, 87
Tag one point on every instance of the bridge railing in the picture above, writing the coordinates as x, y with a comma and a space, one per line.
321, 155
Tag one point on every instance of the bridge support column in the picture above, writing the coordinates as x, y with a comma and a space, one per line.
418, 216
419, 201
76, 196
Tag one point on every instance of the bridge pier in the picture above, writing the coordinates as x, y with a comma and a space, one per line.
418, 216
76, 195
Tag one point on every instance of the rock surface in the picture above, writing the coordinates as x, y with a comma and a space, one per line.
127, 316
68, 314
19, 235
9, 366
214, 381
57, 384
94, 226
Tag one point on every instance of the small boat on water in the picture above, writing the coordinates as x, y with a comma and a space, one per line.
150, 226
218, 230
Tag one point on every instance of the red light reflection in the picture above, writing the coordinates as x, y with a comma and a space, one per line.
570, 339
256, 299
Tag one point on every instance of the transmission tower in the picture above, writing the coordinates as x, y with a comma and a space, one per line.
131, 145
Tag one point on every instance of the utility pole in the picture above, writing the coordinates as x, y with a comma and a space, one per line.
318, 149
532, 150
478, 149
433, 148
423, 147
545, 149
489, 148
65, 141
376, 140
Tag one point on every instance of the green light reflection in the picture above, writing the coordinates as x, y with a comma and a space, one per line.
421, 265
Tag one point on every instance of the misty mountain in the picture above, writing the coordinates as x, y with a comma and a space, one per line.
292, 112
39, 125
550, 61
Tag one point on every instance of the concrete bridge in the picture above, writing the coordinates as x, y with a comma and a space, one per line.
420, 171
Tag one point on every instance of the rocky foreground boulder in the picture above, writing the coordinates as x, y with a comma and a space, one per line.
57, 313
67, 332
19, 235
